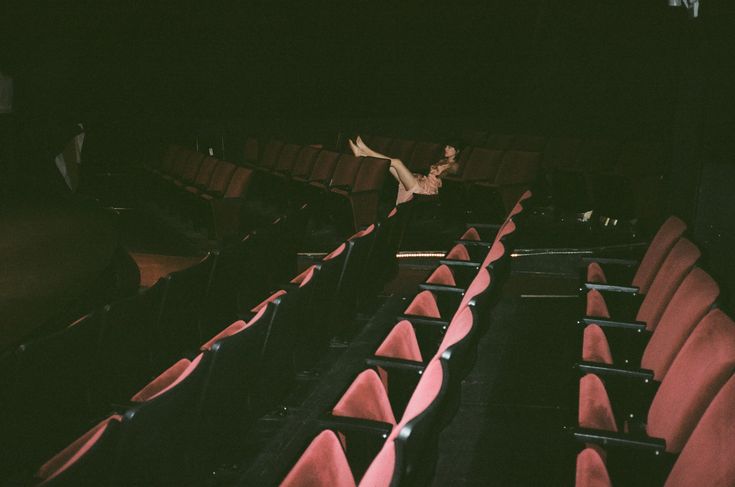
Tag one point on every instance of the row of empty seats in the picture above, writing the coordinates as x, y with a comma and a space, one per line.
177, 425
384, 428
656, 392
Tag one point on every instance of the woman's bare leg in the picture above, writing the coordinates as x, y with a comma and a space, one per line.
402, 174
397, 168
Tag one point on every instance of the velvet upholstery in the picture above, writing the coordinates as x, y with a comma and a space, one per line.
659, 248
596, 305
380, 472
478, 285
232, 329
704, 364
458, 252
677, 265
426, 392
67, 457
591, 471
708, 458
221, 177
687, 307
335, 253
595, 410
322, 464
665, 239
442, 275
167, 380
366, 398
239, 183
596, 274
400, 343
594, 345
270, 299
305, 277
424, 304
460, 327
497, 251
471, 234
270, 154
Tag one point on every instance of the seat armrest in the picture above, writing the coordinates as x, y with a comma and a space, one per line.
441, 288
637, 326
607, 370
459, 263
343, 187
611, 438
395, 363
346, 423
423, 320
610, 288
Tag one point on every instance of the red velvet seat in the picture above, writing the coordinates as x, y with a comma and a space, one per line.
230, 392
706, 459
204, 175
286, 159
304, 163
500, 142
365, 193
86, 461
689, 304
270, 155
668, 234
424, 155
415, 434
704, 364
674, 269
321, 173
46, 392
325, 463
158, 432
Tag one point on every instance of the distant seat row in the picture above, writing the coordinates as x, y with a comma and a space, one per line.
285, 175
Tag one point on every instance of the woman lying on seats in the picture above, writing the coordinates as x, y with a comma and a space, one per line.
409, 182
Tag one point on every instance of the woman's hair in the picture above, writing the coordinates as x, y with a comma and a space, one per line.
456, 143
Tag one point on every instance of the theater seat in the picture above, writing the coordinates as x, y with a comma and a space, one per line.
668, 234
677, 265
705, 363
86, 461
689, 304
706, 459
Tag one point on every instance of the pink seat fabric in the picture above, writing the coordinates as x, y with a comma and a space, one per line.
707, 459
701, 368
426, 392
167, 380
67, 457
442, 275
595, 410
400, 343
591, 471
424, 304
323, 463
685, 310
662, 243
366, 398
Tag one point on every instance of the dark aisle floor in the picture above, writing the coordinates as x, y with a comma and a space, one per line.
514, 401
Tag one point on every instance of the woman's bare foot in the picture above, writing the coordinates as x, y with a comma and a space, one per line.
354, 148
359, 142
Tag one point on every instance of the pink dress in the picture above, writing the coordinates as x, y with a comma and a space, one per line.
427, 184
